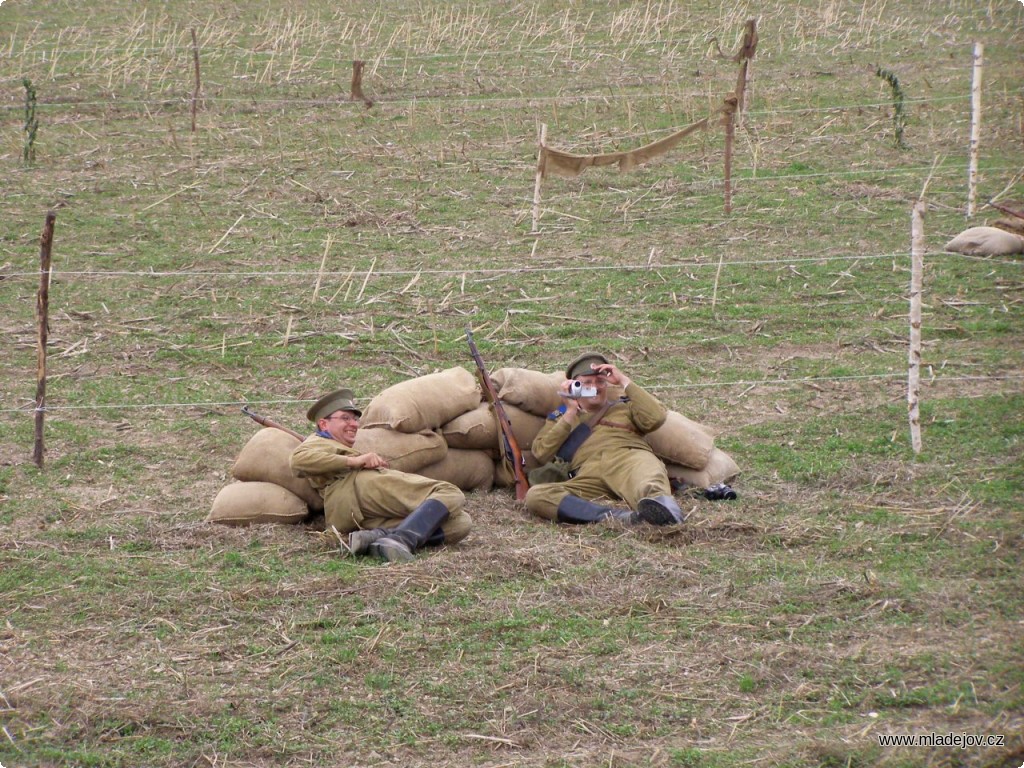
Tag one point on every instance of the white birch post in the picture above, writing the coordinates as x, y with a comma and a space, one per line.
914, 355
540, 175
972, 164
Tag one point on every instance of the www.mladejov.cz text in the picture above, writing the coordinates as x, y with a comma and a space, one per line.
961, 740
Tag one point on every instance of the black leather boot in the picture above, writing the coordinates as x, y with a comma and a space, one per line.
577, 511
436, 539
660, 510
412, 533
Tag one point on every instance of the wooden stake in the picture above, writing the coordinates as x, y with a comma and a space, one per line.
972, 165
43, 320
366, 280
730, 131
540, 175
195, 92
357, 84
745, 56
718, 275
288, 331
914, 355
323, 263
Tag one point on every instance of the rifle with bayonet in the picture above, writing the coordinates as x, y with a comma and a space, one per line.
263, 421
512, 456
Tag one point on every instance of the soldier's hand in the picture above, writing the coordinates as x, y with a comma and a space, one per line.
370, 461
572, 405
612, 374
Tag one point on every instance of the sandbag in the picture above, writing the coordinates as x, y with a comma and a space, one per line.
256, 502
532, 391
475, 430
405, 452
425, 402
468, 470
525, 426
681, 441
478, 429
265, 459
986, 241
720, 468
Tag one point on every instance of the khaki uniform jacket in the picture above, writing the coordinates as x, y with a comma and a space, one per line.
622, 428
370, 498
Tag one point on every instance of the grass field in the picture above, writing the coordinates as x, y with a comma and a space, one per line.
299, 241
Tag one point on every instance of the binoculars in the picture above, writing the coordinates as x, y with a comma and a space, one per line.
719, 491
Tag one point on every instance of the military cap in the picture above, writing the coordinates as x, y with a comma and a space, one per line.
581, 365
340, 400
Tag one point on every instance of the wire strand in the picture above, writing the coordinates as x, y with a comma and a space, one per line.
668, 388
54, 273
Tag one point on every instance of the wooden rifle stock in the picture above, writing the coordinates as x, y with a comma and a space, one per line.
513, 455
263, 421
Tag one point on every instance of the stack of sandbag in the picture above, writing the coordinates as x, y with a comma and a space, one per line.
265, 490
527, 397
689, 452
440, 426
405, 422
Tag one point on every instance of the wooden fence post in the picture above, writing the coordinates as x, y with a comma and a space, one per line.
42, 319
730, 130
195, 90
356, 89
745, 57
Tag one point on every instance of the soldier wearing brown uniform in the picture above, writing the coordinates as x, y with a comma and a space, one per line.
613, 462
387, 513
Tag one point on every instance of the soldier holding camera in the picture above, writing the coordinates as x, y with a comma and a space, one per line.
600, 442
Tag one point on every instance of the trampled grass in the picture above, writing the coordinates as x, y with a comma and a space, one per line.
299, 241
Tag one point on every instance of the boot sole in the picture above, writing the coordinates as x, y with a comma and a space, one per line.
392, 551
653, 513
359, 542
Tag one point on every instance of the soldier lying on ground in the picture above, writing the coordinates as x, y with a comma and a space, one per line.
612, 461
387, 513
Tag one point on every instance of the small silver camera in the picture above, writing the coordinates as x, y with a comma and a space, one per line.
577, 390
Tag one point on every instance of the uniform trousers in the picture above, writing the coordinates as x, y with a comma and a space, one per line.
629, 475
382, 498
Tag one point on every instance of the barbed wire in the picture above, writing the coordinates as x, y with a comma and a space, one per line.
32, 409
343, 100
223, 52
590, 193
542, 268
498, 271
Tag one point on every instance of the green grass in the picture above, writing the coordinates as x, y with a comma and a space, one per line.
852, 576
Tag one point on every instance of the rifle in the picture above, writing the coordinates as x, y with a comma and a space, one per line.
513, 455
263, 421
